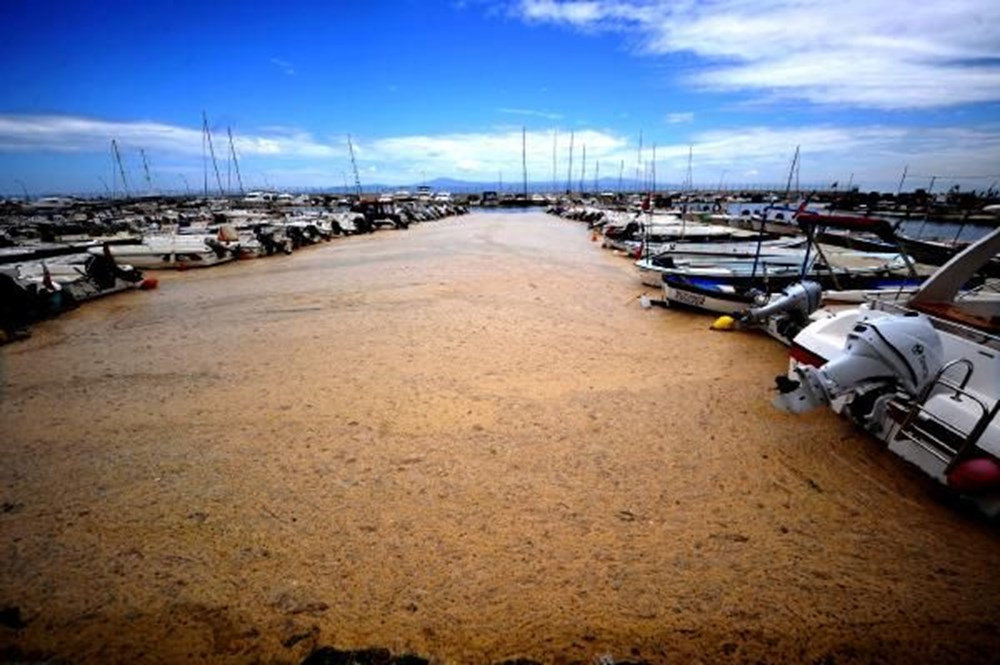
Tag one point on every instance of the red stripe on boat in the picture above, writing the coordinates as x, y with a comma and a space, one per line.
804, 356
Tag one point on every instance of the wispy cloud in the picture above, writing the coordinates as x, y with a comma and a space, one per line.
531, 112
484, 154
54, 133
284, 66
875, 153
889, 55
679, 118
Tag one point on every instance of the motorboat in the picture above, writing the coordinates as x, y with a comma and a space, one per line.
658, 259
733, 286
37, 290
175, 251
922, 375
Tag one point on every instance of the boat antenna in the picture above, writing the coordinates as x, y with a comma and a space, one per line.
354, 165
211, 149
524, 161
236, 162
569, 171
121, 169
145, 166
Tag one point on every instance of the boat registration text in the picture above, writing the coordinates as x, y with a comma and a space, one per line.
688, 298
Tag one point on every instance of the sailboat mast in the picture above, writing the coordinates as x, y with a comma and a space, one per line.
236, 162
145, 166
121, 168
524, 161
354, 165
653, 170
583, 168
597, 177
899, 189
621, 173
791, 172
798, 169
211, 150
638, 163
569, 171
555, 137
689, 179
204, 156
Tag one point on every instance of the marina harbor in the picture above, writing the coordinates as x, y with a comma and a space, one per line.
505, 332
336, 453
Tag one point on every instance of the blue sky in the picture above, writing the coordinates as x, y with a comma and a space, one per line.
442, 89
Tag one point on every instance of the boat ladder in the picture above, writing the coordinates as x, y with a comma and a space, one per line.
943, 439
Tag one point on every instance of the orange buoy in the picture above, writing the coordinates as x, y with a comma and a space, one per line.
149, 283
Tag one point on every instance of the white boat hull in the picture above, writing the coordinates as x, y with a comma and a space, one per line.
173, 253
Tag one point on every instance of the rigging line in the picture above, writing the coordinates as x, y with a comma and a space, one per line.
954, 177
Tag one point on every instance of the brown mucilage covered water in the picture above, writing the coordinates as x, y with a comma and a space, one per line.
465, 441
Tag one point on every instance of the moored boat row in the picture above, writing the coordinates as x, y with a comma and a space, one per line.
910, 352
51, 264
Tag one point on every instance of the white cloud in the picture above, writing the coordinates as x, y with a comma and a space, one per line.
679, 118
876, 154
591, 14
483, 155
890, 55
531, 112
284, 66
55, 133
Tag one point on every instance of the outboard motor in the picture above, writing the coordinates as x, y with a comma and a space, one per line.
220, 250
790, 311
899, 352
801, 298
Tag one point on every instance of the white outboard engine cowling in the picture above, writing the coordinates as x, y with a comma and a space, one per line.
788, 313
802, 298
904, 352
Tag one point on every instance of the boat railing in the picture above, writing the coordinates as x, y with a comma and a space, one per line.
915, 424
